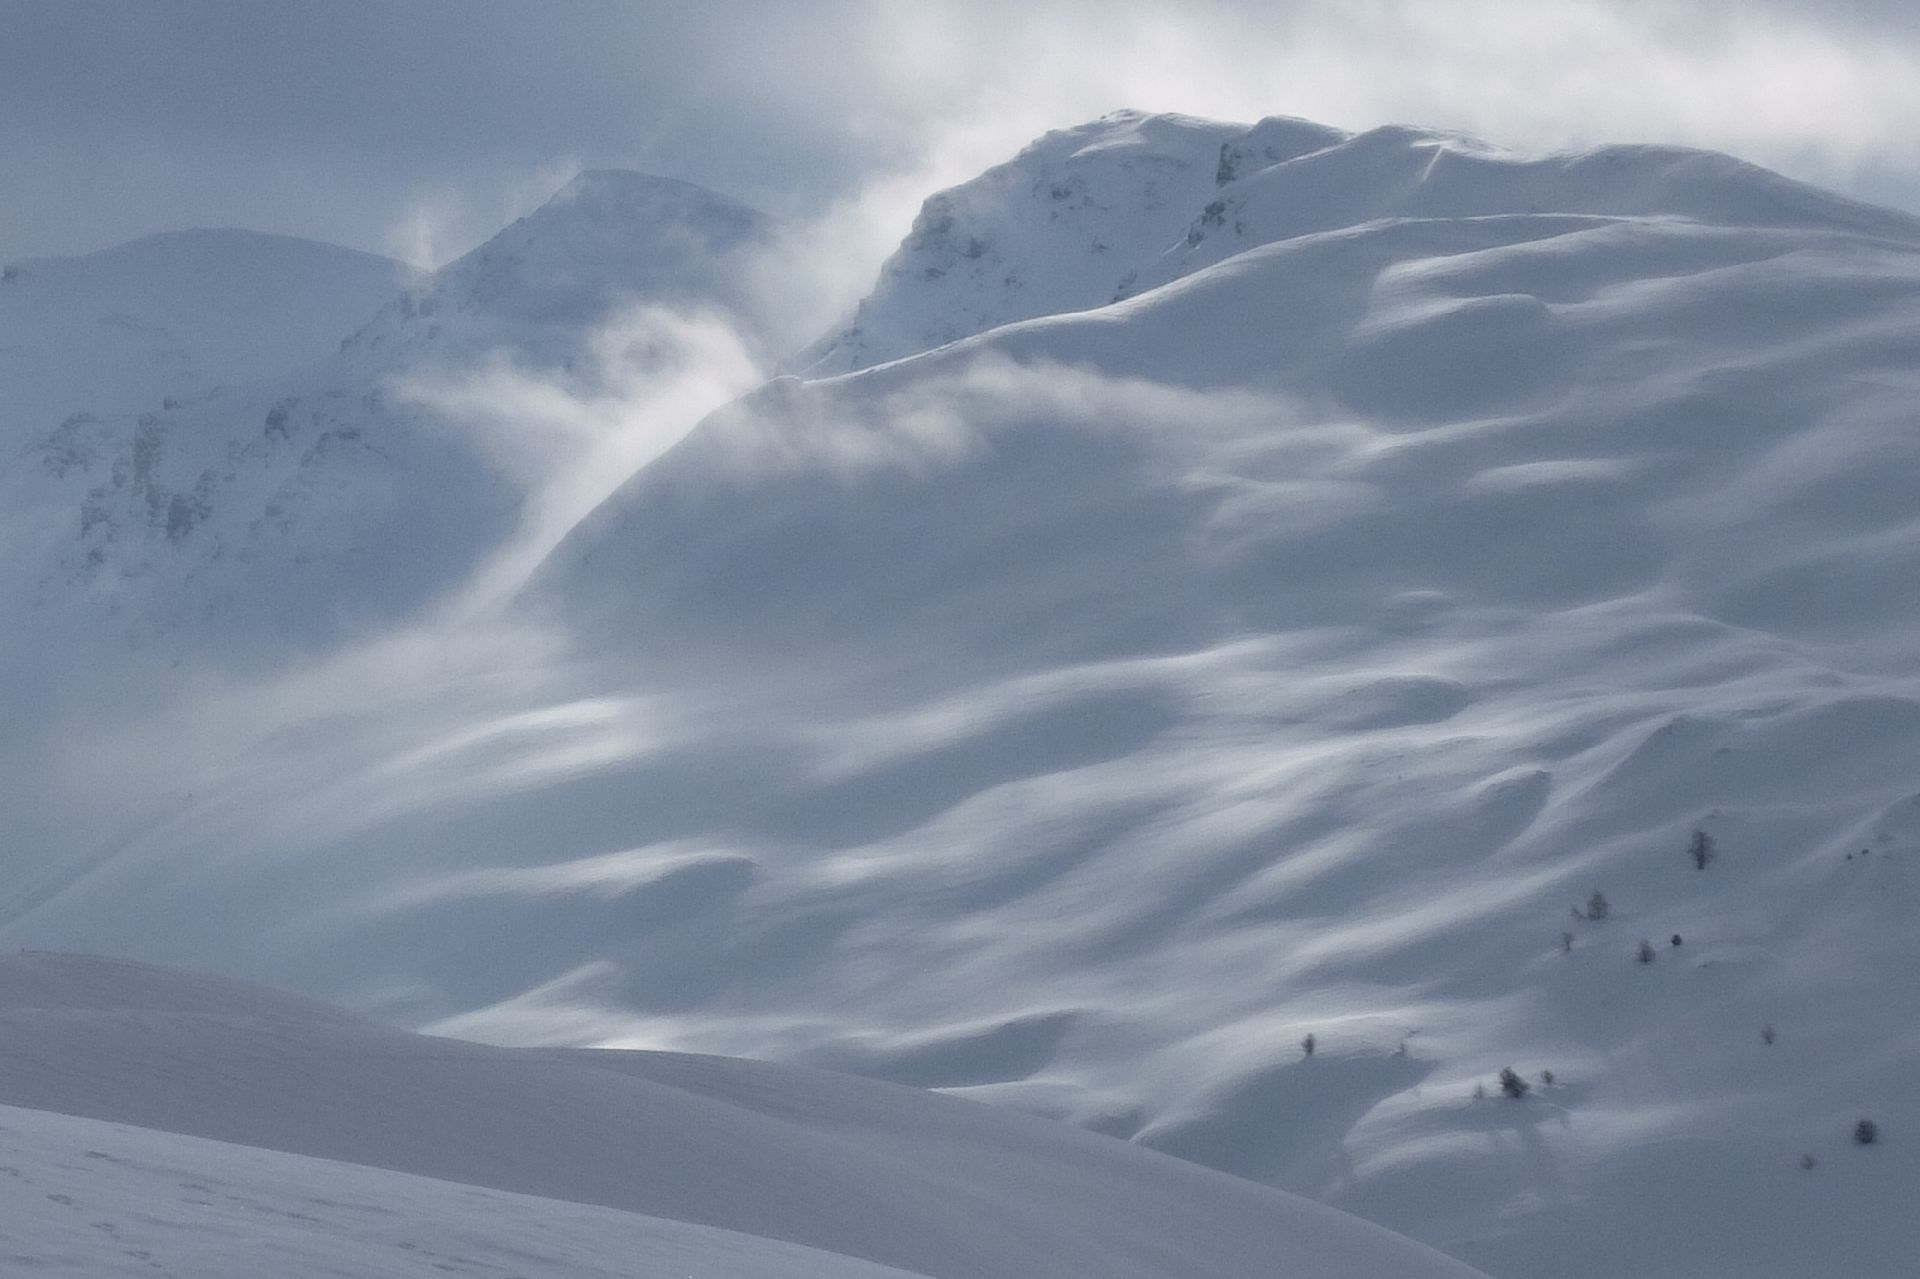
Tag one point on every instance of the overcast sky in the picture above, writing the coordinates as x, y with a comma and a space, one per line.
418, 127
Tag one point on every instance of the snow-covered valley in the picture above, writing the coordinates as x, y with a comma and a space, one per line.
1227, 584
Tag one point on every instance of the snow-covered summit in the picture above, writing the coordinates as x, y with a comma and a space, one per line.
1065, 225
170, 316
372, 481
1103, 211
610, 238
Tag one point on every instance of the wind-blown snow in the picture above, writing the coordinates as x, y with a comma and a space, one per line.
1081, 701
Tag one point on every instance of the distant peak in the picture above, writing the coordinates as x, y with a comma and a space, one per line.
628, 188
190, 243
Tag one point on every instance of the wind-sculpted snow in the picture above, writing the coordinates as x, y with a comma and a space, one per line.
1083, 712
738, 1167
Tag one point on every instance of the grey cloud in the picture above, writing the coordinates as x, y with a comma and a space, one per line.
329, 119
422, 127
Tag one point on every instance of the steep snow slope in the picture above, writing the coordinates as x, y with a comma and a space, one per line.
925, 1183
82, 1199
375, 481
169, 317
1081, 714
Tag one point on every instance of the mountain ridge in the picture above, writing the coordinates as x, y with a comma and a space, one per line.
295, 511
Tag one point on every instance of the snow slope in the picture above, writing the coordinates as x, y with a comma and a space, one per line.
923, 1183
171, 316
298, 508
1078, 714
83, 1199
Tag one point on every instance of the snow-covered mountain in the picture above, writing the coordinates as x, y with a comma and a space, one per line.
171, 316
360, 488
1068, 224
641, 1163
1076, 702
1090, 215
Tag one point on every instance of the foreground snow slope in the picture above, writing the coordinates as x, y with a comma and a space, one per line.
914, 1180
1080, 714
84, 1199
294, 509
169, 317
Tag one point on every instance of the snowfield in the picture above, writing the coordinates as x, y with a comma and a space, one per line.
1266, 589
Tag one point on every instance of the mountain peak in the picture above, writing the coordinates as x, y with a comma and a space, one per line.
1088, 215
608, 238
1067, 224
610, 233
641, 204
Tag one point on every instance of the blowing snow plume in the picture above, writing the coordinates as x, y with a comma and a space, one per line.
649, 375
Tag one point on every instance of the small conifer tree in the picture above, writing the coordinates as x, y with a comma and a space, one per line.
1701, 849
1511, 1083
